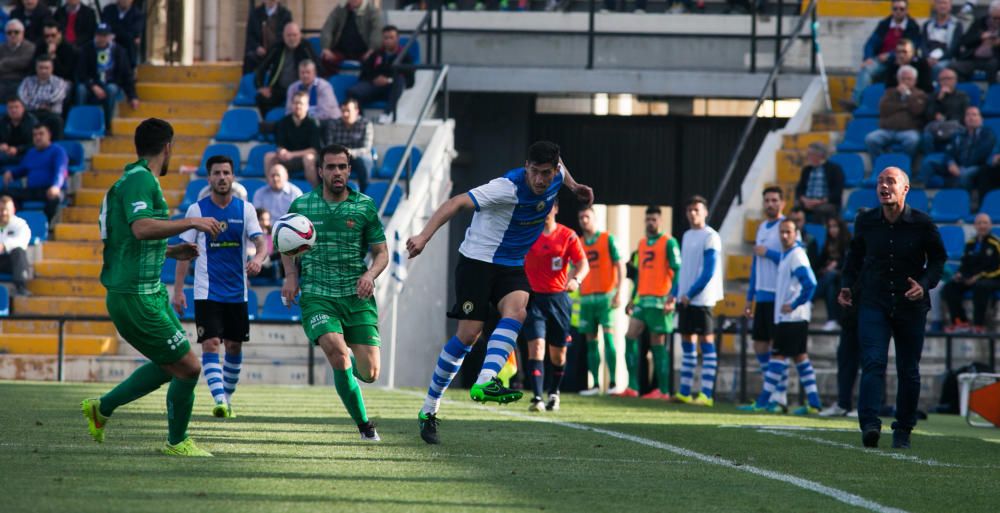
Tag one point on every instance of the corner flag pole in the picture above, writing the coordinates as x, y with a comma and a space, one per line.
822, 67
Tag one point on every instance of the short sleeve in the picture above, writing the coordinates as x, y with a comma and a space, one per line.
499, 191
613, 249
250, 224
191, 235
374, 233
139, 193
574, 249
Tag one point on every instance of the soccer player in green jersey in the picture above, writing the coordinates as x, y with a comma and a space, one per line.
135, 225
338, 303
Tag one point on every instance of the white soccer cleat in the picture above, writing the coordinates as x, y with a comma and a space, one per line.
591, 392
834, 410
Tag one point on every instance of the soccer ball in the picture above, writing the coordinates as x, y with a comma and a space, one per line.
293, 234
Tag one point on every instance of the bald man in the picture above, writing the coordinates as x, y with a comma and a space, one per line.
978, 272
280, 68
896, 256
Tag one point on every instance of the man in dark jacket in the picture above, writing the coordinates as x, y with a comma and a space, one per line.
352, 31
380, 80
264, 29
964, 159
907, 54
945, 113
78, 23
882, 42
33, 16
280, 68
15, 132
978, 272
127, 23
942, 36
821, 185
980, 48
62, 53
104, 71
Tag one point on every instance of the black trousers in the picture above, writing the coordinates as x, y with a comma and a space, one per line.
982, 294
15, 262
34, 194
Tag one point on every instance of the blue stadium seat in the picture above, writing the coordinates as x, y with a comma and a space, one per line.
167, 273
954, 241
252, 305
315, 42
950, 205
818, 232
191, 193
991, 105
917, 198
274, 115
37, 223
859, 198
85, 122
255, 160
238, 125
989, 205
377, 191
853, 166
341, 83
302, 184
854, 136
377, 105
869, 101
900, 160
246, 96
252, 185
227, 149
273, 310
4, 302
350, 65
414, 51
994, 125
188, 314
74, 150
391, 160
973, 90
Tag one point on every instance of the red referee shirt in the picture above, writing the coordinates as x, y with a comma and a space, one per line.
547, 262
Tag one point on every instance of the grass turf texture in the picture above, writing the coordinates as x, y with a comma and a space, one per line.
295, 449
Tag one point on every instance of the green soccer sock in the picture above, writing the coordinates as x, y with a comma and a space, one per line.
610, 357
144, 380
661, 364
180, 401
632, 362
350, 394
594, 361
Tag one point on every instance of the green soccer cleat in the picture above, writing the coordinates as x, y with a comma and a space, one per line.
805, 410
681, 398
223, 411
95, 421
428, 427
494, 391
185, 448
777, 408
752, 407
703, 400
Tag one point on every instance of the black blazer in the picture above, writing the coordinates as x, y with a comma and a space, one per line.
32, 24
268, 68
65, 59
122, 76
85, 25
257, 18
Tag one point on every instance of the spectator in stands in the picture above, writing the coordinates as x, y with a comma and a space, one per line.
15, 58
264, 29
279, 193
942, 35
880, 45
46, 167
798, 214
104, 72
355, 133
15, 132
965, 158
78, 22
821, 184
33, 14
980, 47
828, 266
297, 137
127, 23
15, 235
43, 95
273, 268
901, 116
978, 272
352, 31
280, 68
322, 100
62, 53
380, 80
907, 54
945, 113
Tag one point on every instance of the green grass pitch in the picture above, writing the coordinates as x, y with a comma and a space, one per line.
295, 449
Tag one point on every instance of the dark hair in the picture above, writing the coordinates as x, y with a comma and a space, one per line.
44, 58
584, 209
836, 248
798, 209
152, 136
904, 41
544, 152
697, 199
218, 159
387, 28
352, 100
42, 125
15, 99
653, 209
775, 189
333, 149
51, 23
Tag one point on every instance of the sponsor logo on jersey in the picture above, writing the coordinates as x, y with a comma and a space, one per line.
139, 205
350, 224
318, 319
540, 206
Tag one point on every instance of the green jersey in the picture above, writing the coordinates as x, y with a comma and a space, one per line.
132, 265
344, 231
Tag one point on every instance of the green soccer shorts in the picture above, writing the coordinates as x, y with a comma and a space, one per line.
149, 324
355, 318
656, 320
595, 310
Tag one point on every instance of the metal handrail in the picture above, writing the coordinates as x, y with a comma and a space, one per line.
409, 42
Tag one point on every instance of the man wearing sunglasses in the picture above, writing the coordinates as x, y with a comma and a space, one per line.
15, 58
881, 44
62, 53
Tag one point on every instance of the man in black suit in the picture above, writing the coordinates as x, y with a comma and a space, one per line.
77, 22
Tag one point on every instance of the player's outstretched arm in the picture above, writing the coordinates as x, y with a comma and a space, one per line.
290, 288
380, 260
415, 245
153, 229
583, 192
179, 302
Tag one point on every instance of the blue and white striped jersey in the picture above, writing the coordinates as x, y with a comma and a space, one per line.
220, 269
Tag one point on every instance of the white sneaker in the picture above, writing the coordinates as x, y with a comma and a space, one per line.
553, 404
591, 392
852, 414
831, 325
616, 390
537, 405
834, 410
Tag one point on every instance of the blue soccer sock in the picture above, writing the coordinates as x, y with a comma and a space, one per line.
498, 348
775, 368
689, 361
709, 364
780, 395
212, 369
762, 359
536, 374
807, 376
231, 373
449, 361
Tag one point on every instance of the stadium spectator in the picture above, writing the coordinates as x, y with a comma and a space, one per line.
322, 100
798, 214
980, 47
880, 45
352, 31
127, 23
828, 267
906, 54
43, 95
279, 69
104, 73
821, 184
358, 135
33, 14
272, 267
78, 22
46, 168
901, 116
15, 235
942, 36
763, 275
15, 58
979, 273
380, 80
63, 54
297, 138
965, 157
279, 193
945, 113
264, 28
15, 132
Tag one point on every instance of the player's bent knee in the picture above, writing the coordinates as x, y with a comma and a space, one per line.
210, 345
